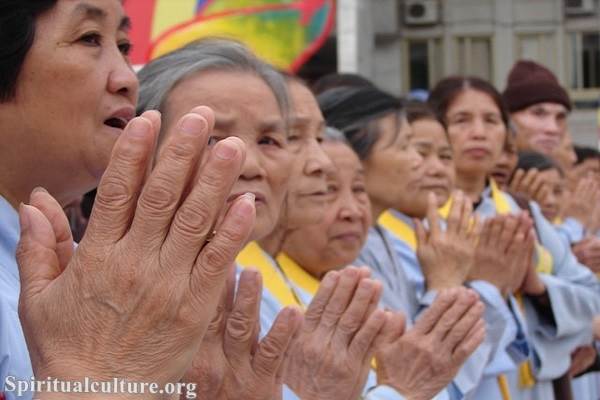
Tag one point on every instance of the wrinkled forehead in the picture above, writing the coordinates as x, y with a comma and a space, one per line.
237, 99
549, 108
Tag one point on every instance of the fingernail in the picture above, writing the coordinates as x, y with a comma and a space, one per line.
39, 189
138, 127
245, 205
225, 150
192, 125
24, 218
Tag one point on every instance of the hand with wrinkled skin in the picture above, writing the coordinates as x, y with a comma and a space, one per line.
231, 363
530, 184
500, 251
422, 361
137, 295
581, 204
331, 356
447, 256
588, 253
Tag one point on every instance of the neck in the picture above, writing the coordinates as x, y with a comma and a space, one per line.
273, 243
23, 167
471, 184
376, 210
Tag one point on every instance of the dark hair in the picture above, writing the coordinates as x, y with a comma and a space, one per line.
356, 112
417, 111
446, 90
336, 80
532, 159
17, 32
586, 153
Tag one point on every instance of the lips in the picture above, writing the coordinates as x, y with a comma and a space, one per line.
120, 118
478, 152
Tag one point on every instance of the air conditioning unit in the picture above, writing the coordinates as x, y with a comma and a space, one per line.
579, 7
421, 12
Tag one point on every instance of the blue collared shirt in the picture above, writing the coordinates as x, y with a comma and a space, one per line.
14, 356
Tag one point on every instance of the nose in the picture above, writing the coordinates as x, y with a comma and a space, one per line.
349, 209
435, 167
317, 162
122, 80
478, 130
551, 126
252, 169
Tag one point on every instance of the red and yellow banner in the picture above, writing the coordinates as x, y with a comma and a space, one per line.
285, 33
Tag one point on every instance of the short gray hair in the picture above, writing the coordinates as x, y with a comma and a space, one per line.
160, 76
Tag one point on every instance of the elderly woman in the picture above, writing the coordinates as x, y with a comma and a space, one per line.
566, 294
392, 244
67, 95
250, 102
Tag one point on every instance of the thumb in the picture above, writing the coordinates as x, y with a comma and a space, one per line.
36, 252
393, 328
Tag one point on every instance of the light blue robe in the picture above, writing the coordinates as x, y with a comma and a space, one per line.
571, 231
14, 356
574, 297
504, 346
269, 309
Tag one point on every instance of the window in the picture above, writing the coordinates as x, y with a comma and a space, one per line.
584, 60
475, 56
425, 63
539, 48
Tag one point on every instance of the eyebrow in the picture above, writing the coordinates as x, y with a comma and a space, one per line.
275, 124
88, 11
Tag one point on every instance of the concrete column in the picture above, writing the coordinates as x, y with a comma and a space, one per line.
355, 37
503, 56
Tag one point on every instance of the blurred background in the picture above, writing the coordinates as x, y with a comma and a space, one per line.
405, 46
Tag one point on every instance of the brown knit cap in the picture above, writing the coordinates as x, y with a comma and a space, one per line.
530, 83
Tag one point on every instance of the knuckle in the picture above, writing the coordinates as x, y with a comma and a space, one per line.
239, 326
193, 219
216, 256
113, 192
182, 152
157, 199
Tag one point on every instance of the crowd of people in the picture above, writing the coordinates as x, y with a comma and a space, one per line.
256, 237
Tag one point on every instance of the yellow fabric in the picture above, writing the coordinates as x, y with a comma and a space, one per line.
297, 275
399, 228
526, 378
504, 388
543, 256
252, 256
500, 201
445, 210
303, 279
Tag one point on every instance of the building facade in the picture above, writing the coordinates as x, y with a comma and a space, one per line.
408, 45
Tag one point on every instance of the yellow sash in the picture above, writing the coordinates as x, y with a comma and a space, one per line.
252, 256
297, 275
544, 264
543, 256
399, 228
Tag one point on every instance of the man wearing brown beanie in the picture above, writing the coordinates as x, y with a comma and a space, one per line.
538, 106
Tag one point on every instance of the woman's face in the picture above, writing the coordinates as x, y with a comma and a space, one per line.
245, 107
75, 93
506, 164
431, 142
337, 239
393, 169
305, 203
477, 132
550, 205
